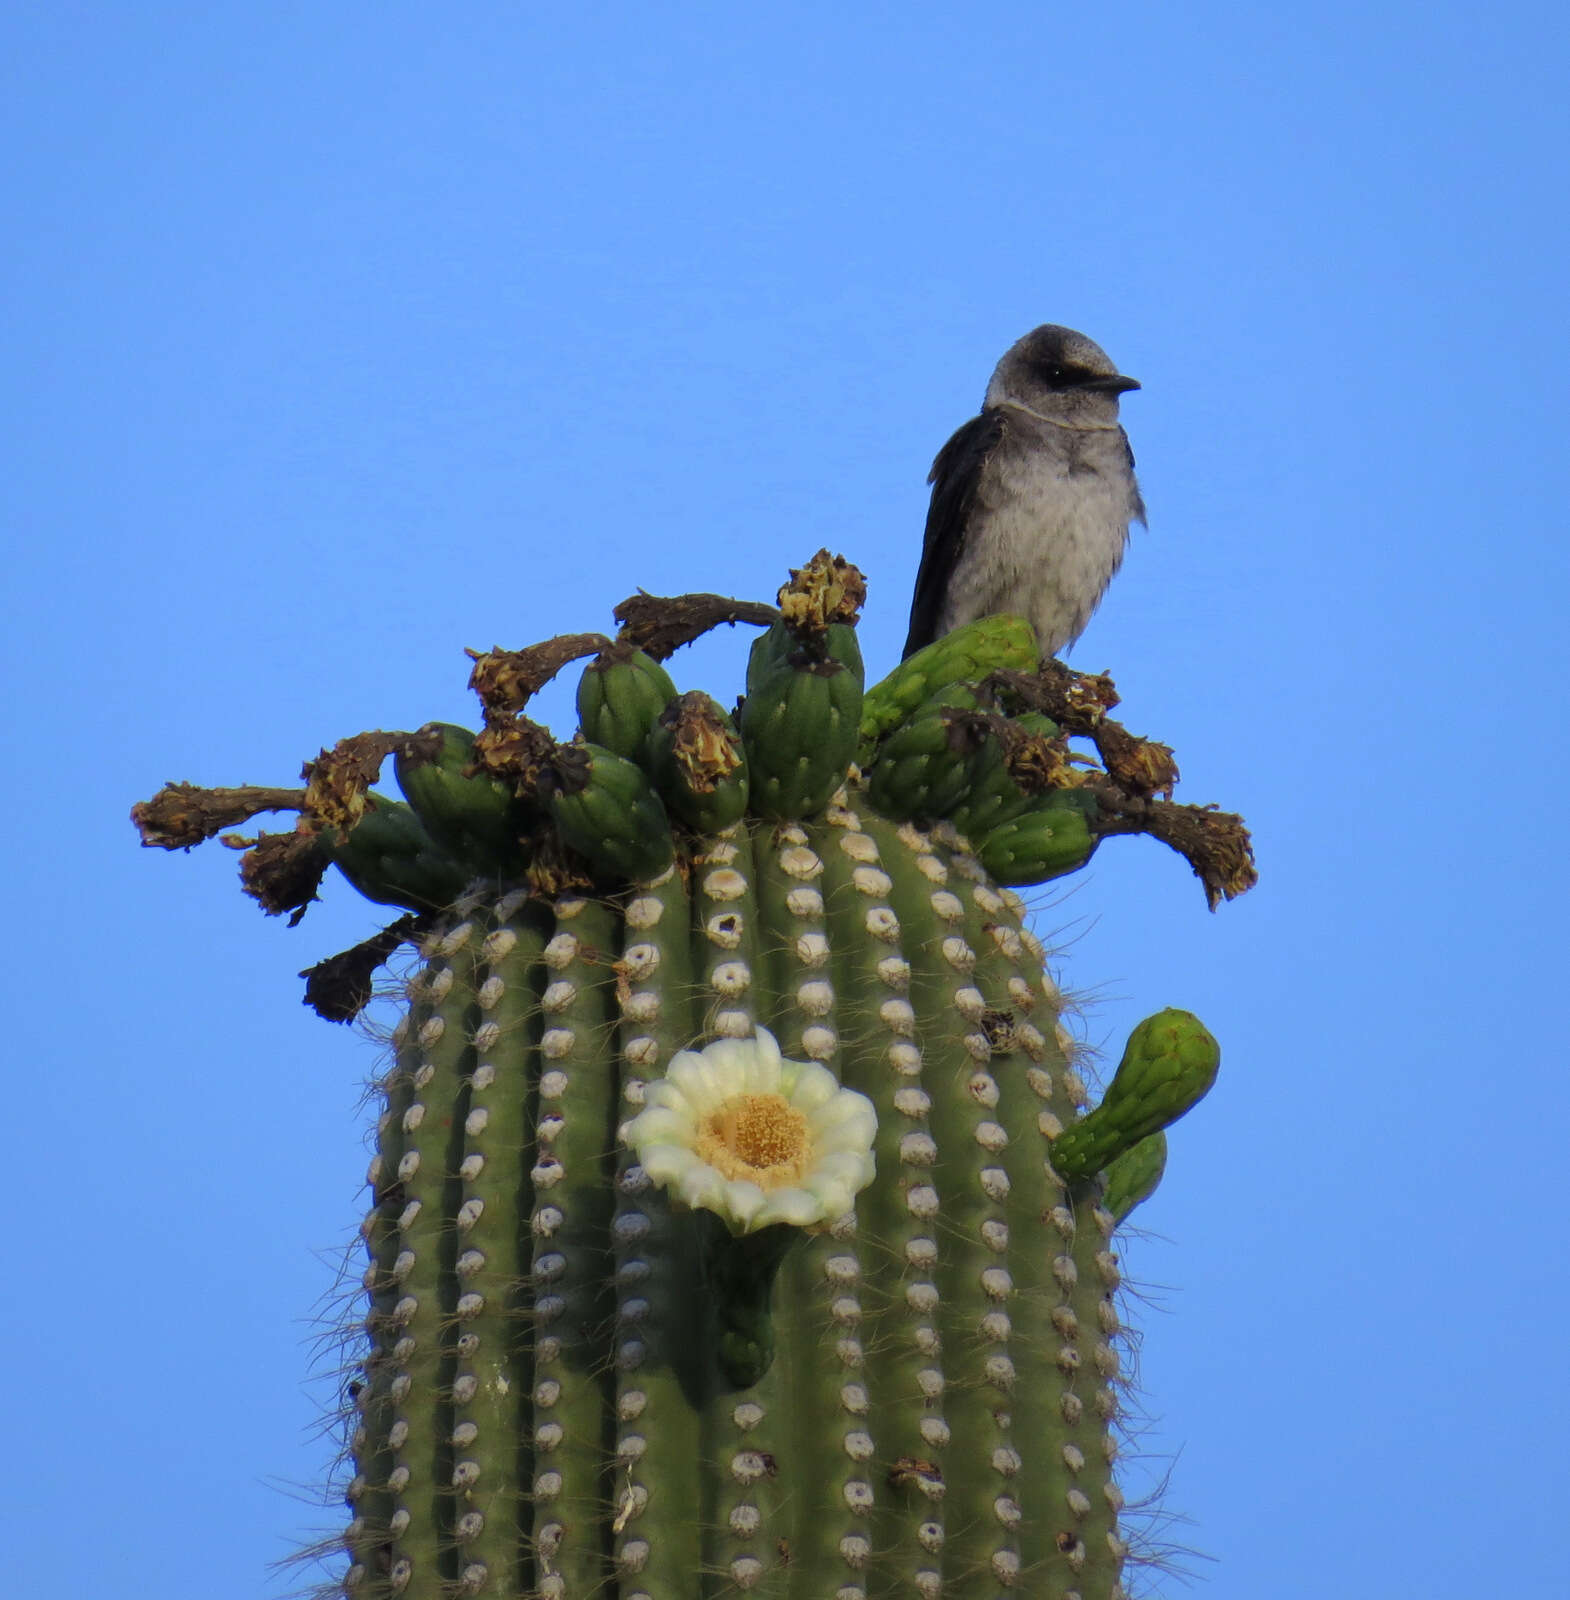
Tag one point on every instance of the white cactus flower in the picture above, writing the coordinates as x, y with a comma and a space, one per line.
736, 1129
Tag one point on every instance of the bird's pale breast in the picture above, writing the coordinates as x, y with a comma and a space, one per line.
1047, 533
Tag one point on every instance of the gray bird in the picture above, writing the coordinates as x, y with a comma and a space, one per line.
1032, 500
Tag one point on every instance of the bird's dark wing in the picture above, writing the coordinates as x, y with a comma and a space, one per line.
954, 479
1139, 499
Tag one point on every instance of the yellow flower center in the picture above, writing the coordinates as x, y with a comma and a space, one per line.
759, 1137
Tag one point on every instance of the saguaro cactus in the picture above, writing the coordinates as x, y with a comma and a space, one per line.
736, 1220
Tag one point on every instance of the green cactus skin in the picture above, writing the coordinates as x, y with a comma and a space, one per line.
777, 644
800, 725
698, 763
620, 694
545, 1413
390, 858
989, 644
740, 1273
1168, 1066
918, 775
991, 797
1044, 843
474, 818
608, 812
1132, 1177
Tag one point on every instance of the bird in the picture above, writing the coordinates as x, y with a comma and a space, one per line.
1032, 500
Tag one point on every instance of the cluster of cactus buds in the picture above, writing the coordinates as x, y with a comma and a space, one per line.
739, 1221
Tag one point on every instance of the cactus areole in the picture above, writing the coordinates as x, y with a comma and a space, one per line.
738, 1219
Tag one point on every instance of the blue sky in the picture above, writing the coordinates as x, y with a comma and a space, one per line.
342, 337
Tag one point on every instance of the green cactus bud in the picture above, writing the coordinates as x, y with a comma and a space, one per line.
607, 811
799, 725
993, 793
698, 763
770, 650
958, 696
1043, 843
1074, 796
620, 694
472, 814
1132, 1177
1168, 1066
778, 645
390, 858
989, 644
919, 774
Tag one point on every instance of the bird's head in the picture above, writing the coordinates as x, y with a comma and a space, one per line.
1062, 375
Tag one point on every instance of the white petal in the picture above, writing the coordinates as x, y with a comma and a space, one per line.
723, 1050
727, 1062
695, 1078
853, 1130
743, 1200
702, 1186
846, 1110
726, 1065
812, 1087
837, 1187
834, 1199
855, 1167
662, 1092
763, 1064
790, 1205
667, 1163
662, 1125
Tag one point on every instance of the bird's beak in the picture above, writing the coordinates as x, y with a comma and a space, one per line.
1116, 384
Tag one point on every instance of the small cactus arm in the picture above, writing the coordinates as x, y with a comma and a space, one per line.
1168, 1066
736, 1221
1133, 1176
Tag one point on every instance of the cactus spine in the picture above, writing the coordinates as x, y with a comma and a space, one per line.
575, 1382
